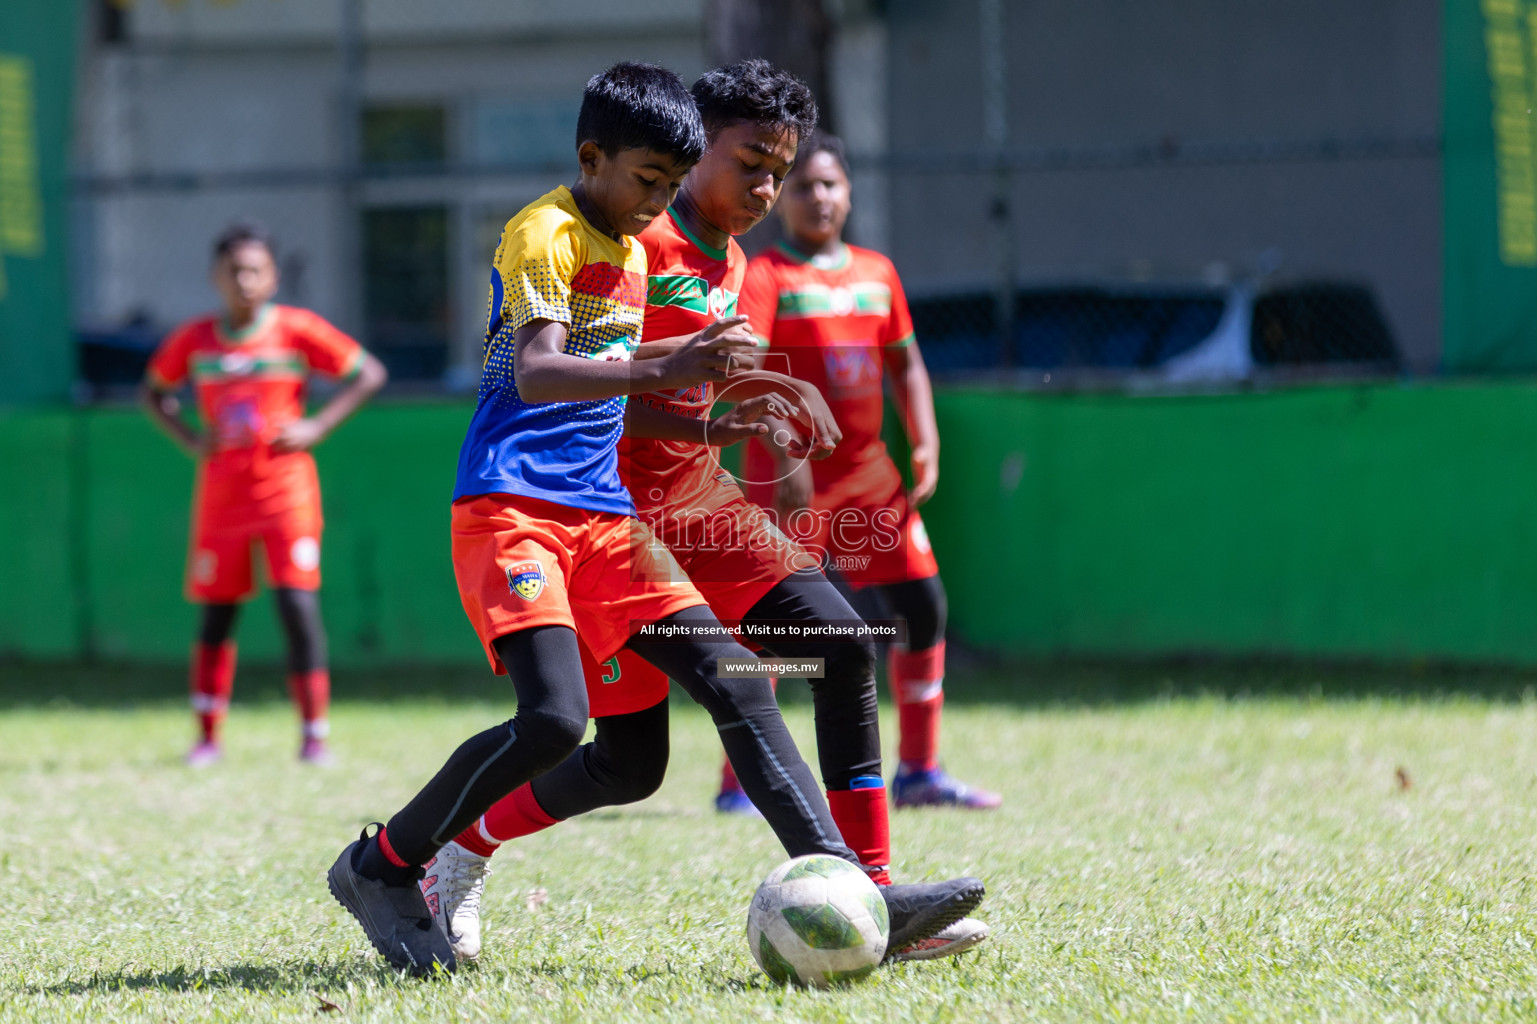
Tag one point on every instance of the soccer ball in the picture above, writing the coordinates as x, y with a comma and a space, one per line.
818, 921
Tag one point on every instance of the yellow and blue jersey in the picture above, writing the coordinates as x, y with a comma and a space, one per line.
553, 265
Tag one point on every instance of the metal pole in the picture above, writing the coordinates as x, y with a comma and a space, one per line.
349, 116
995, 135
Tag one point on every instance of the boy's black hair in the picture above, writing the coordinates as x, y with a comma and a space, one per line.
641, 106
755, 90
243, 232
824, 142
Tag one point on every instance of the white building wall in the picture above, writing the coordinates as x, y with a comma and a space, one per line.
216, 112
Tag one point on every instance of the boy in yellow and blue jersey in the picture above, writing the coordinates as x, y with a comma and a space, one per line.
545, 541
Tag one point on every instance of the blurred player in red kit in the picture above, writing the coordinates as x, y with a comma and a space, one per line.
835, 315
256, 480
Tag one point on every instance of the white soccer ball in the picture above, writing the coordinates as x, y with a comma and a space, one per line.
818, 921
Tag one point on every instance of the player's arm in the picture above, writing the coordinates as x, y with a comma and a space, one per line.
545, 372
162, 405
304, 434
814, 414
746, 419
667, 346
913, 394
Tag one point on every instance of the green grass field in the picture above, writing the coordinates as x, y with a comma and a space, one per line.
1211, 843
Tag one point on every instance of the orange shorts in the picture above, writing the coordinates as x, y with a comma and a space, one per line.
219, 564
523, 562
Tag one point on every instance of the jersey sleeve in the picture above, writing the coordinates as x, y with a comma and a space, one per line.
759, 301
898, 329
326, 349
533, 274
168, 366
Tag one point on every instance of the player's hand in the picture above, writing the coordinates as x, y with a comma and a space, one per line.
707, 356
299, 436
925, 475
746, 419
817, 417
793, 491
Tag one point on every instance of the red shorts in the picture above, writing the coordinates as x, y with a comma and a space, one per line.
734, 554
219, 564
871, 538
862, 527
623, 684
523, 562
733, 557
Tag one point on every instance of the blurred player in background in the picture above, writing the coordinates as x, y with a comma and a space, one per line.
838, 314
754, 116
256, 480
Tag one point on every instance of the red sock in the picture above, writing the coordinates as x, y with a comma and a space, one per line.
516, 814
728, 780
917, 683
861, 816
311, 693
213, 680
388, 850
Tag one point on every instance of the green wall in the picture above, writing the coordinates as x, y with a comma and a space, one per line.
99, 519
1381, 520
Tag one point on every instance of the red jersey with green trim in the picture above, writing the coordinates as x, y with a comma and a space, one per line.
249, 386
688, 287
827, 321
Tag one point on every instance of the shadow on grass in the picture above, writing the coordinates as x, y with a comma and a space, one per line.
972, 679
289, 977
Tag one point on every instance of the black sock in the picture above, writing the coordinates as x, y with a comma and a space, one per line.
370, 862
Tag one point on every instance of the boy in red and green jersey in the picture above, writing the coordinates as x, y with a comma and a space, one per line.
256, 481
837, 316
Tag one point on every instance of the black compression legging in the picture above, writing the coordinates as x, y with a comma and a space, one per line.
546, 671
299, 611
625, 762
921, 603
844, 701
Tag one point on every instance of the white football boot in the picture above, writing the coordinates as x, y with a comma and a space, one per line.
453, 885
964, 934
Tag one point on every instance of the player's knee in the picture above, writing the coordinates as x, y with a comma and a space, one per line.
853, 660
926, 618
743, 698
642, 778
548, 737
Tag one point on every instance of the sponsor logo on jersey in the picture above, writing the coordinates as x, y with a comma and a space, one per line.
238, 422
698, 394
851, 367
526, 579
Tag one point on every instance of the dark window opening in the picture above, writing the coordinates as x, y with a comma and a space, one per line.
404, 135
405, 289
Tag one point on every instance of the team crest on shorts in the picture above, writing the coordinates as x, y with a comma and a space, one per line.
526, 579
